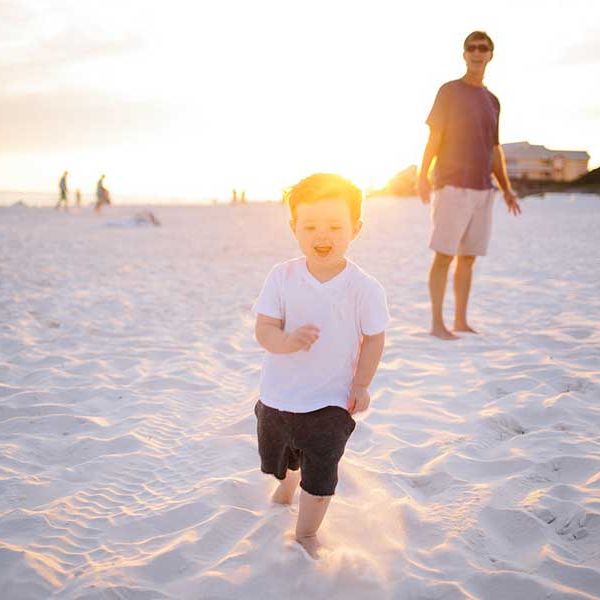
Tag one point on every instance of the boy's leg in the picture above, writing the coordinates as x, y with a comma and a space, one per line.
276, 456
311, 512
462, 288
321, 435
284, 494
438, 275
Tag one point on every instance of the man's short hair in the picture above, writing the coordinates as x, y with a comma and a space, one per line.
321, 186
478, 35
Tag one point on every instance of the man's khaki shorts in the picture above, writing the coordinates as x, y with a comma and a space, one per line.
462, 221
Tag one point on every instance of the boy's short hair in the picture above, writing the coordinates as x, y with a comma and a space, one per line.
322, 186
478, 35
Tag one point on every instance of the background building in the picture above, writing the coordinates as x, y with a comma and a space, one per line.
537, 163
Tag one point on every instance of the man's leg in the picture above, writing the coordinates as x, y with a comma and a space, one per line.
284, 494
462, 288
438, 276
311, 513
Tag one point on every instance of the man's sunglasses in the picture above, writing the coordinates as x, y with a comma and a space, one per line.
480, 47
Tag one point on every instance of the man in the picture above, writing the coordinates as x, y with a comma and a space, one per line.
63, 192
464, 139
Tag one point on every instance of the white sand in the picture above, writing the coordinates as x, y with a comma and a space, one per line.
128, 373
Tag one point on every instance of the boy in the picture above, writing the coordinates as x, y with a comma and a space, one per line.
321, 320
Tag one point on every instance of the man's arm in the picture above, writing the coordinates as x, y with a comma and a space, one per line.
371, 350
499, 171
431, 151
270, 335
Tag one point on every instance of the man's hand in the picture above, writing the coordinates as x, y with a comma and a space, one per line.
424, 190
302, 338
358, 399
512, 202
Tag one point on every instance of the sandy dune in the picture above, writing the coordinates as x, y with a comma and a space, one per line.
128, 373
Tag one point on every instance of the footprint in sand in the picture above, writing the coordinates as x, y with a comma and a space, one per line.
545, 515
430, 485
574, 525
505, 426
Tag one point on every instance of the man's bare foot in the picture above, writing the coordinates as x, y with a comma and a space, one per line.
464, 327
312, 545
443, 333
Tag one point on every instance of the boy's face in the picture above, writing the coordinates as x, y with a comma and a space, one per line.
324, 231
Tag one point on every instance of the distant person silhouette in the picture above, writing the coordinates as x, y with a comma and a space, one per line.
63, 192
234, 196
102, 195
78, 198
243, 197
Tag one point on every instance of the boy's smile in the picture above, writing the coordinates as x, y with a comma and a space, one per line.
323, 250
324, 230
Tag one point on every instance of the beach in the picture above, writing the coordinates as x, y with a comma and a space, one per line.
129, 372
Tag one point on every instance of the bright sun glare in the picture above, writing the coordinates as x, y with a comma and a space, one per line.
190, 100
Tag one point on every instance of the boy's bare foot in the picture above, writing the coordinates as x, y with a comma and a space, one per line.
443, 333
284, 494
311, 511
464, 327
312, 545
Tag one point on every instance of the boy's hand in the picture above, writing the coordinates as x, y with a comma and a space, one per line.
358, 399
302, 338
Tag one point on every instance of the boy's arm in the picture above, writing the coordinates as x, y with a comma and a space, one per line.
371, 350
431, 151
499, 171
270, 335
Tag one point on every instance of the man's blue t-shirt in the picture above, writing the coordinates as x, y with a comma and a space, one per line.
467, 116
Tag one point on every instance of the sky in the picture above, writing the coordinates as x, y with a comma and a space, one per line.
189, 99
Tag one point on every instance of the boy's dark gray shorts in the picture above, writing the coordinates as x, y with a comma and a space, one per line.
312, 441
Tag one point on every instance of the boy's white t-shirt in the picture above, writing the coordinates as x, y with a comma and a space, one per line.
345, 308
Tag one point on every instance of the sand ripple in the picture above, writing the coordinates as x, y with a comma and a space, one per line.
128, 372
